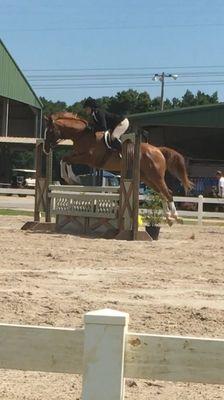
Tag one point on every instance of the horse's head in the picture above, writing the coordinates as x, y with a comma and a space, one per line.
51, 134
61, 125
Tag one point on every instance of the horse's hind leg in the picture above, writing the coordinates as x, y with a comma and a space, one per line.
174, 213
165, 194
152, 173
171, 211
168, 203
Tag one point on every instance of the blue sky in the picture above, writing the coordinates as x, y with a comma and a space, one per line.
78, 48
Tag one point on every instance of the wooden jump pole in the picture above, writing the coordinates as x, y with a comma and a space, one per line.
43, 180
129, 188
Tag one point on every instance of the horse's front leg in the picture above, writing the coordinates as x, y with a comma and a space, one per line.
66, 163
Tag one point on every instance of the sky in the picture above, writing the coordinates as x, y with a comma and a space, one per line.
72, 49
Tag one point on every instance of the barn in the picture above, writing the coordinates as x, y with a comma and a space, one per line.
197, 133
20, 113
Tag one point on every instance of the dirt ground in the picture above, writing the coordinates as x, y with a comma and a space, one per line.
173, 286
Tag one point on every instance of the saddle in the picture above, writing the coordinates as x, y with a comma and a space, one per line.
114, 145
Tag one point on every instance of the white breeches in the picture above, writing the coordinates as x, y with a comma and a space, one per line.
120, 129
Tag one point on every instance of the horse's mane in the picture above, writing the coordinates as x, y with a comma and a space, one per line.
66, 115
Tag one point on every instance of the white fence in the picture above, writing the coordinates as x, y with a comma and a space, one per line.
105, 353
200, 213
19, 192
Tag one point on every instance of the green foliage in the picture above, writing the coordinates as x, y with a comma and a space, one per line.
154, 209
176, 102
50, 107
191, 100
77, 108
188, 100
22, 159
131, 102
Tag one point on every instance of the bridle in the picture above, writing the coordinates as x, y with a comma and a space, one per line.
54, 130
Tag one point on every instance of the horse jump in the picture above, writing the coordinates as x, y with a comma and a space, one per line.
90, 149
93, 209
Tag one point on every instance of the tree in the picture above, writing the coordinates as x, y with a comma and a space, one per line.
131, 102
176, 102
202, 98
189, 100
77, 108
156, 104
144, 103
50, 107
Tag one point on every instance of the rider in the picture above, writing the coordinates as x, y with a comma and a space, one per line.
220, 177
104, 121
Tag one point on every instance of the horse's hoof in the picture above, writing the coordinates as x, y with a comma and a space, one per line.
170, 221
178, 219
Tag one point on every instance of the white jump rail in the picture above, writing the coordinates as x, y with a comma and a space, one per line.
86, 201
83, 189
105, 354
85, 209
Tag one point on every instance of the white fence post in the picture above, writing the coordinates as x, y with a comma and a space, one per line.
104, 345
200, 209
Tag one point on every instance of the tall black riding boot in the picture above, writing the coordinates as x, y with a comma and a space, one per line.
116, 144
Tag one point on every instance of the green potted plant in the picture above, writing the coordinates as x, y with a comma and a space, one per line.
153, 215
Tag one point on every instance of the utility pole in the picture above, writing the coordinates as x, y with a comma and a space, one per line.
161, 77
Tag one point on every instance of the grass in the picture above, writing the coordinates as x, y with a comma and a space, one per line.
207, 222
193, 221
8, 212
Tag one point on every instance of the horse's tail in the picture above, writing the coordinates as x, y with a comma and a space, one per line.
176, 166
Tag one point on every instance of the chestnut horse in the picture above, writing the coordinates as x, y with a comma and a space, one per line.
90, 149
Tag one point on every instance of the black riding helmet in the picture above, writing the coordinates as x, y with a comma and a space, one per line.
90, 102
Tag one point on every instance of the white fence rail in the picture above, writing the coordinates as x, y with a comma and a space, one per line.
11, 191
200, 213
105, 353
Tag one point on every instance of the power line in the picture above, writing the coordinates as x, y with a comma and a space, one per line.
160, 67
63, 77
190, 73
127, 85
112, 28
122, 77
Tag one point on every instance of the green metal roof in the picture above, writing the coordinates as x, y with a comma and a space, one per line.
211, 116
13, 84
